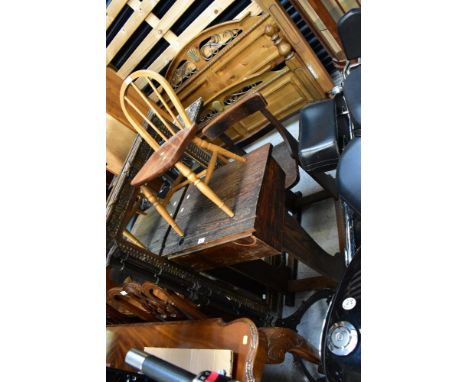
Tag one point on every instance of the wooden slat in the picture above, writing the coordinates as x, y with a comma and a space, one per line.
129, 28
199, 24
160, 29
253, 9
113, 10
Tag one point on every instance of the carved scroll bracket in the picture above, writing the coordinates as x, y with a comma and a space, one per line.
284, 47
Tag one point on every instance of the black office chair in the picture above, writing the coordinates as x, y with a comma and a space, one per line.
326, 127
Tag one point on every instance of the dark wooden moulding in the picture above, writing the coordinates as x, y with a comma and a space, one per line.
164, 272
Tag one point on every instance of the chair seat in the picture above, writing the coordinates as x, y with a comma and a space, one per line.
352, 93
318, 146
165, 158
348, 175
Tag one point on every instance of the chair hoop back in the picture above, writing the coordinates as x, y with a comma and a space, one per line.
164, 104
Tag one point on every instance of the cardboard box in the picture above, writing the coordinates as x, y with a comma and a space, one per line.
196, 360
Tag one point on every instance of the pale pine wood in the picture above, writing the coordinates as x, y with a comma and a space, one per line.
130, 26
169, 91
202, 21
147, 120
133, 239
161, 87
204, 189
161, 209
113, 10
161, 27
300, 46
253, 10
119, 139
211, 167
215, 148
154, 110
161, 99
113, 106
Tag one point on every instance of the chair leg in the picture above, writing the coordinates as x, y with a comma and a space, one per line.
204, 189
133, 239
161, 210
215, 148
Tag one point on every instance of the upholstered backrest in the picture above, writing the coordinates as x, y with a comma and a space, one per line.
349, 29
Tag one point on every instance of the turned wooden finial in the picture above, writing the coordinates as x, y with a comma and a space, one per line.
284, 48
271, 29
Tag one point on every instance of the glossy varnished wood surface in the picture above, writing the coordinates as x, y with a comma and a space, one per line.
165, 158
241, 336
252, 347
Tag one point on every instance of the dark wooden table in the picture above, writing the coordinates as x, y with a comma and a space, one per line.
261, 227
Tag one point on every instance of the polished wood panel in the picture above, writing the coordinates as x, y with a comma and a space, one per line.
241, 336
165, 158
282, 340
252, 346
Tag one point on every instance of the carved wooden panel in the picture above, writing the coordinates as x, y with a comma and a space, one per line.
135, 28
241, 336
225, 62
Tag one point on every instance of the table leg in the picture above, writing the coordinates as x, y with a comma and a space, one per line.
298, 243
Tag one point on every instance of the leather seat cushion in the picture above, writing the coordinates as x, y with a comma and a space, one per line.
348, 175
352, 93
318, 148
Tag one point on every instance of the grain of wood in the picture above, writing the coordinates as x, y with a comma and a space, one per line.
129, 28
253, 9
200, 23
160, 28
113, 10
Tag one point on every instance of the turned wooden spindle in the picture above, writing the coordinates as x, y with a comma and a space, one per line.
170, 153
161, 209
284, 47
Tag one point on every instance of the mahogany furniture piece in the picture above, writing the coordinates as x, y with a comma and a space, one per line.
149, 302
261, 227
169, 155
252, 347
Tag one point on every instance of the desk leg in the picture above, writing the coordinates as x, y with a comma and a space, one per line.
298, 243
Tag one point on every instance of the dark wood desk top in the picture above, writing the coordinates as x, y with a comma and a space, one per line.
260, 228
255, 192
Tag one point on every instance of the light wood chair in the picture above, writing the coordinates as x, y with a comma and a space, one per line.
182, 132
